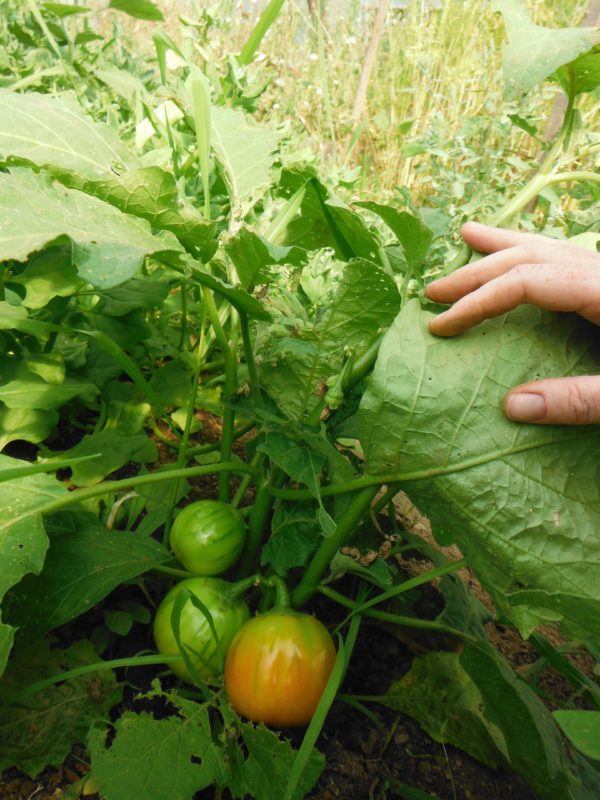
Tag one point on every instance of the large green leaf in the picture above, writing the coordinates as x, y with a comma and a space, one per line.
177, 752
472, 699
151, 193
93, 159
246, 151
182, 756
46, 131
108, 246
23, 540
42, 729
521, 501
325, 221
533, 53
82, 566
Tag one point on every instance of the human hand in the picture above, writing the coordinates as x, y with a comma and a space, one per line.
526, 268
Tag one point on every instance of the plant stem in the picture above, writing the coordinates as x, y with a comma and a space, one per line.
385, 498
182, 455
256, 524
173, 572
230, 388
348, 487
345, 527
250, 362
116, 663
241, 491
386, 616
282, 596
412, 583
79, 495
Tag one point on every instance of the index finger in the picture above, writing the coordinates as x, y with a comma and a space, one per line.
487, 239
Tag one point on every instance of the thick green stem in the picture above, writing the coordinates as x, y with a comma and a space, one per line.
348, 487
344, 529
256, 525
282, 596
230, 388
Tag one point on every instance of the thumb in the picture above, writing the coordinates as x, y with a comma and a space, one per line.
556, 401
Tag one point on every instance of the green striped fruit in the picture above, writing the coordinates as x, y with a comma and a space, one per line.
228, 613
208, 537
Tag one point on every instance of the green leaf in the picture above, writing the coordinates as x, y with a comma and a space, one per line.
533, 53
303, 465
29, 390
94, 160
42, 729
294, 537
476, 702
585, 73
252, 255
138, 293
65, 10
122, 82
117, 621
325, 221
535, 748
121, 441
172, 384
23, 540
295, 366
448, 705
151, 193
141, 9
25, 424
48, 274
237, 297
246, 152
520, 501
91, 149
270, 761
108, 247
82, 567
412, 233
582, 729
177, 752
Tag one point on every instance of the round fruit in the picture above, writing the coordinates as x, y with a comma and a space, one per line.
228, 613
278, 666
208, 537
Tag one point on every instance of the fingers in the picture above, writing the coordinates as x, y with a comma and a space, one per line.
556, 401
527, 283
486, 239
471, 277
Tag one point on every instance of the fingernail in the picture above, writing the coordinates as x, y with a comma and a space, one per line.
526, 407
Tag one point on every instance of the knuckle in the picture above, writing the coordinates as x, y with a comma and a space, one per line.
579, 404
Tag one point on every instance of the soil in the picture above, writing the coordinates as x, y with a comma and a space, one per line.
367, 757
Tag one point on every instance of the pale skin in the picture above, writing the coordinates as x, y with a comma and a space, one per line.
526, 268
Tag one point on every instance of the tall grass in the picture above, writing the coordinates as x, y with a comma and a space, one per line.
436, 84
